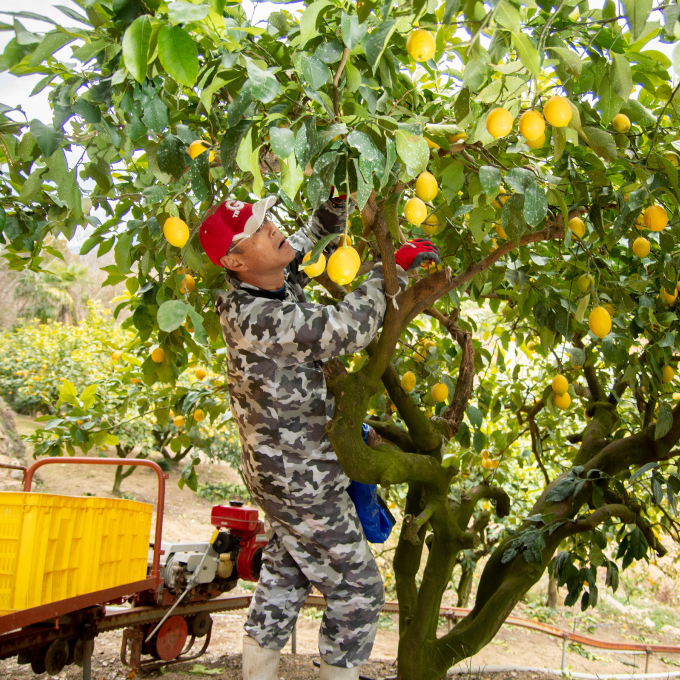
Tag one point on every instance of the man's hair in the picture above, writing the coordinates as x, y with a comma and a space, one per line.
234, 250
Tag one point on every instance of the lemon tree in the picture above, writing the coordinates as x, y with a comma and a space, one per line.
548, 135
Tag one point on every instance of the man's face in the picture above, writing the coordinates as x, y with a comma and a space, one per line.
265, 251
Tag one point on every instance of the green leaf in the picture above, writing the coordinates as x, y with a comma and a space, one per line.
351, 30
248, 159
413, 150
570, 60
372, 159
199, 174
374, 44
512, 217
622, 78
664, 421
171, 157
264, 85
318, 248
313, 70
527, 53
291, 176
638, 113
637, 12
474, 76
155, 113
184, 12
319, 184
601, 142
46, 136
535, 204
392, 215
178, 54
282, 141
363, 187
490, 178
136, 42
507, 15
53, 41
200, 335
450, 10
389, 163
122, 253
581, 309
309, 20
171, 315
577, 356
144, 322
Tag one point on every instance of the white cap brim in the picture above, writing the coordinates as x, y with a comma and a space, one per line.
255, 220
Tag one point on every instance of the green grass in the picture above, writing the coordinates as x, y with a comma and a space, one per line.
223, 491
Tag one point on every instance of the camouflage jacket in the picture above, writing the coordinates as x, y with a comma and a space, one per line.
276, 346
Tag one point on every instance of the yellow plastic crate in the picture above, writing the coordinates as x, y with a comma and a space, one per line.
53, 547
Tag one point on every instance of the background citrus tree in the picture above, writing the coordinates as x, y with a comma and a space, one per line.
527, 117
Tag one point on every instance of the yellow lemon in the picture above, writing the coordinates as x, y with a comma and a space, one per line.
178, 421
420, 45
500, 231
672, 158
487, 464
431, 144
499, 122
188, 284
656, 218
562, 401
408, 381
536, 143
426, 186
200, 373
415, 211
621, 123
199, 415
531, 345
560, 384
611, 310
577, 226
116, 355
641, 247
584, 282
640, 221
198, 147
557, 111
430, 225
176, 231
485, 453
314, 269
461, 136
668, 374
440, 392
501, 198
158, 355
670, 298
343, 265
600, 322
531, 125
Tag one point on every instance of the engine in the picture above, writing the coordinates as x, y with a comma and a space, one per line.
233, 552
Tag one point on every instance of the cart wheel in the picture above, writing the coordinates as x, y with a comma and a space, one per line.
38, 661
168, 643
199, 625
77, 652
56, 657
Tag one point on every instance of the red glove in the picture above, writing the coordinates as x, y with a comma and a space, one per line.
414, 253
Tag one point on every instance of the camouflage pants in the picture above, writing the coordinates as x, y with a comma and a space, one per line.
322, 546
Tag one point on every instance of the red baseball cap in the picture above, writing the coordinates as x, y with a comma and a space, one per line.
232, 221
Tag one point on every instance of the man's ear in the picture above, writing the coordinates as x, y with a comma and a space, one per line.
232, 262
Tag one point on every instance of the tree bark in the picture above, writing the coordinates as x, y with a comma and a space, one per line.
551, 600
465, 587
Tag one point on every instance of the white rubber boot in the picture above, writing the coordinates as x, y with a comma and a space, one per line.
259, 663
337, 673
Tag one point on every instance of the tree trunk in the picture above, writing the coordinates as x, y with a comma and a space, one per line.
552, 591
465, 586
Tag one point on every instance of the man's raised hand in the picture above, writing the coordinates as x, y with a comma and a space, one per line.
416, 252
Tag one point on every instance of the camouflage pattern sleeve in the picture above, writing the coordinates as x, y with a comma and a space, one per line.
328, 218
293, 333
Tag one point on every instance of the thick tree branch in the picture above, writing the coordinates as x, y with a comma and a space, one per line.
391, 432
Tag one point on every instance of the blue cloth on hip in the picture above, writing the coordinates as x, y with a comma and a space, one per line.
376, 519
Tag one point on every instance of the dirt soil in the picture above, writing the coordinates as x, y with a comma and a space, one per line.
187, 517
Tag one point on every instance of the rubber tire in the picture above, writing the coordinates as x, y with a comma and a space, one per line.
200, 624
56, 657
38, 660
77, 652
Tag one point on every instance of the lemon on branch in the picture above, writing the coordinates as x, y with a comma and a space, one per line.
562, 401
670, 298
668, 374
200, 373
199, 415
502, 197
415, 211
584, 282
600, 322
656, 218
500, 231
577, 226
557, 111
426, 186
317, 269
499, 122
421, 45
560, 384
408, 381
430, 225
532, 125
158, 355
198, 147
178, 421
641, 247
536, 143
440, 392
343, 265
116, 355
176, 231
621, 123
188, 284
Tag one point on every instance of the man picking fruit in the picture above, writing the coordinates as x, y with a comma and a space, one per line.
276, 345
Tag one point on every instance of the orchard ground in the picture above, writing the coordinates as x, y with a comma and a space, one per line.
644, 609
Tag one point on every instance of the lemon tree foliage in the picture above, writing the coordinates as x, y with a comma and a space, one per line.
548, 135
